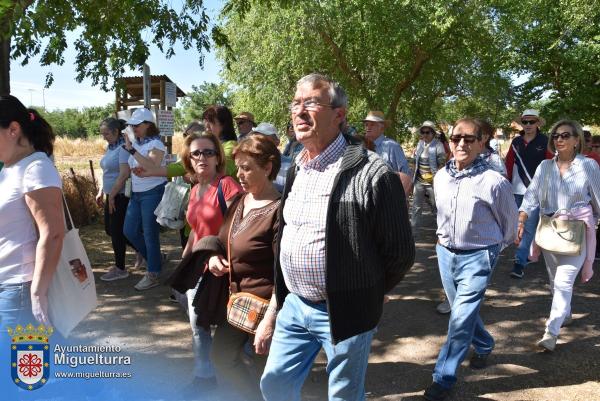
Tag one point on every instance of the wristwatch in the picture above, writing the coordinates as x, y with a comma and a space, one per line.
131, 151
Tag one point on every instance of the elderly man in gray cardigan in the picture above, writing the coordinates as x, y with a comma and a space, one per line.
344, 242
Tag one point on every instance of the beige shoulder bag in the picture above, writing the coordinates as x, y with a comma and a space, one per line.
555, 234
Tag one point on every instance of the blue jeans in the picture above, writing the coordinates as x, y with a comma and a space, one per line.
15, 305
301, 330
141, 228
201, 340
465, 277
522, 253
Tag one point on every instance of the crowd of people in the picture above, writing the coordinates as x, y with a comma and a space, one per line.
317, 234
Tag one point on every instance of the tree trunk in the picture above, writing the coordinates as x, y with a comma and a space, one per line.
4, 65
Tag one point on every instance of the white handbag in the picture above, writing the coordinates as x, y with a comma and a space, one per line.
558, 235
170, 212
72, 292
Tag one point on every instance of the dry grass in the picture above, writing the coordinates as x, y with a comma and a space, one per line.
80, 193
65, 147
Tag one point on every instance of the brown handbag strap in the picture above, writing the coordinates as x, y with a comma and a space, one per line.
229, 248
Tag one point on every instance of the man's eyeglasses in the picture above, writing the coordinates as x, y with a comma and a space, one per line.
241, 122
455, 139
528, 122
206, 153
135, 125
426, 132
309, 104
561, 135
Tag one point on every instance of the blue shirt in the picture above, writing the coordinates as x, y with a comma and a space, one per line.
391, 151
475, 210
109, 163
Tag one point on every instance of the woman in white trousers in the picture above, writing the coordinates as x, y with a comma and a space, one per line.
569, 184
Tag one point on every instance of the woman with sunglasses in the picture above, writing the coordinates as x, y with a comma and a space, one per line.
141, 228
204, 161
568, 182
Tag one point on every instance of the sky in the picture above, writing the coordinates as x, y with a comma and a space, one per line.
27, 82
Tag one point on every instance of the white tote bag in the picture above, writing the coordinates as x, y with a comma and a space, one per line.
72, 292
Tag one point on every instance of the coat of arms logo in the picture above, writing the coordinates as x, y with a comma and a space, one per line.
30, 355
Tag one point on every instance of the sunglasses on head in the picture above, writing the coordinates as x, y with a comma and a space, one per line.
561, 135
528, 122
205, 152
467, 138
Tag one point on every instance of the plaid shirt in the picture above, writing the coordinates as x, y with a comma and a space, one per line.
302, 252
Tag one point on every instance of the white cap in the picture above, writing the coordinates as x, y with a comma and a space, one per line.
531, 112
428, 124
141, 115
265, 129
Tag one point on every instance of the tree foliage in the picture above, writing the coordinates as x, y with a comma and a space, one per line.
113, 35
76, 123
556, 45
395, 56
202, 96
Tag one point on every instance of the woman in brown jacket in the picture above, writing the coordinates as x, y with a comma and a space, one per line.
249, 230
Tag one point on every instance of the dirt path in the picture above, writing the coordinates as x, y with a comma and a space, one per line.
156, 333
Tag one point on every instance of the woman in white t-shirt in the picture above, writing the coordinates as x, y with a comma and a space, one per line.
141, 228
31, 215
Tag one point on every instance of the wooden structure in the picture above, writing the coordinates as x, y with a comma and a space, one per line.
130, 93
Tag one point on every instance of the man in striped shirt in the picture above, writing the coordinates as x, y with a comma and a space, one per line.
476, 219
344, 241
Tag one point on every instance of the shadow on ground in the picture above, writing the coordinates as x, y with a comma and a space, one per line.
156, 334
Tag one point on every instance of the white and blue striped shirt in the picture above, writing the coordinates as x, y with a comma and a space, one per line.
474, 211
579, 187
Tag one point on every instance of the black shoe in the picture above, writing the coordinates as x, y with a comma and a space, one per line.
436, 392
517, 271
478, 361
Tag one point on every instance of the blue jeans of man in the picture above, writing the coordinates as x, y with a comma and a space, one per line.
141, 228
301, 330
522, 253
465, 277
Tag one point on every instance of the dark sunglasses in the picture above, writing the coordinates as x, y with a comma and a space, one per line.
561, 135
135, 125
240, 122
528, 122
467, 138
206, 153
426, 132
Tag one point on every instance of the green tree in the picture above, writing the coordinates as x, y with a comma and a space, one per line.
396, 56
202, 96
555, 45
113, 35
75, 123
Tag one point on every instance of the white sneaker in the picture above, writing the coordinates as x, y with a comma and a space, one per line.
139, 261
114, 274
548, 342
444, 308
149, 280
